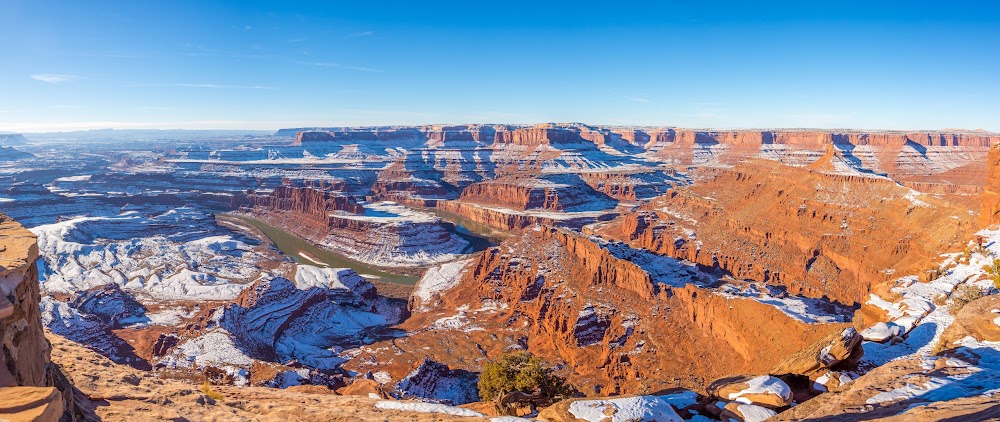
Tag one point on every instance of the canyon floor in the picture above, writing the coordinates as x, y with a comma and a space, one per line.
371, 273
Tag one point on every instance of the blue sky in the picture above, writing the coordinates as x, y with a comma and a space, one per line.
264, 65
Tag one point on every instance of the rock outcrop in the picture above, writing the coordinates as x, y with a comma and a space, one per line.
384, 235
837, 351
562, 192
31, 387
435, 381
114, 306
279, 320
314, 203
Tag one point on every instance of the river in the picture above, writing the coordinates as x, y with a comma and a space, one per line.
305, 252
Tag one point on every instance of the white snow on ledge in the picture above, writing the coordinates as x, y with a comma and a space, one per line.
438, 280
421, 407
805, 309
628, 409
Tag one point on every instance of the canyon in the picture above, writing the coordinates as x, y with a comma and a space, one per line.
685, 273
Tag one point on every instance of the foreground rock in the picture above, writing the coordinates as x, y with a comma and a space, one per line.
30, 404
114, 392
31, 387
762, 390
825, 362
930, 388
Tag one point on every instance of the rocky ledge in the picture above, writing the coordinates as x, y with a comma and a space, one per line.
31, 387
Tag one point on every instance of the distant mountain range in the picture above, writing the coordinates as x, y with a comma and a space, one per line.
136, 135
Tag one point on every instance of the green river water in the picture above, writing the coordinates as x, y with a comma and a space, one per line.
305, 252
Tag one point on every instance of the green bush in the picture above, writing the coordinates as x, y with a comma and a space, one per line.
521, 371
963, 295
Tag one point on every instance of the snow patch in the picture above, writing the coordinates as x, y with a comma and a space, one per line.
421, 407
628, 409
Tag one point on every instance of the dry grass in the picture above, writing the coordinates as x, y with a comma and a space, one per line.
209, 392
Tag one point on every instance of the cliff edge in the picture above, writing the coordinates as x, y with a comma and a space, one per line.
31, 387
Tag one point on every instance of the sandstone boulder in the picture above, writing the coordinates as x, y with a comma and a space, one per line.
763, 390
743, 412
979, 319
843, 347
830, 381
881, 332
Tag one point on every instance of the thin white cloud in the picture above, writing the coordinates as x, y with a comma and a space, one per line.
53, 78
65, 106
362, 34
217, 86
199, 85
341, 66
638, 99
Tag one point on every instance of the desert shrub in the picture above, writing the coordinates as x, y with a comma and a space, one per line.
521, 372
209, 392
966, 255
941, 299
963, 295
994, 271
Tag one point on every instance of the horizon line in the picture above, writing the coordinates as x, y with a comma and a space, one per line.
299, 125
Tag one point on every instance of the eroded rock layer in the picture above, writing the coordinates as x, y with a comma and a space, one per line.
385, 234
817, 233
601, 311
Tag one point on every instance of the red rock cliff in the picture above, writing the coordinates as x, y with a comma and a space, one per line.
27, 375
990, 211
817, 234
565, 298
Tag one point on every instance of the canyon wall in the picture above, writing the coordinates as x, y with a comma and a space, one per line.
567, 134
946, 162
817, 234
820, 138
561, 192
509, 220
600, 312
315, 203
990, 212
